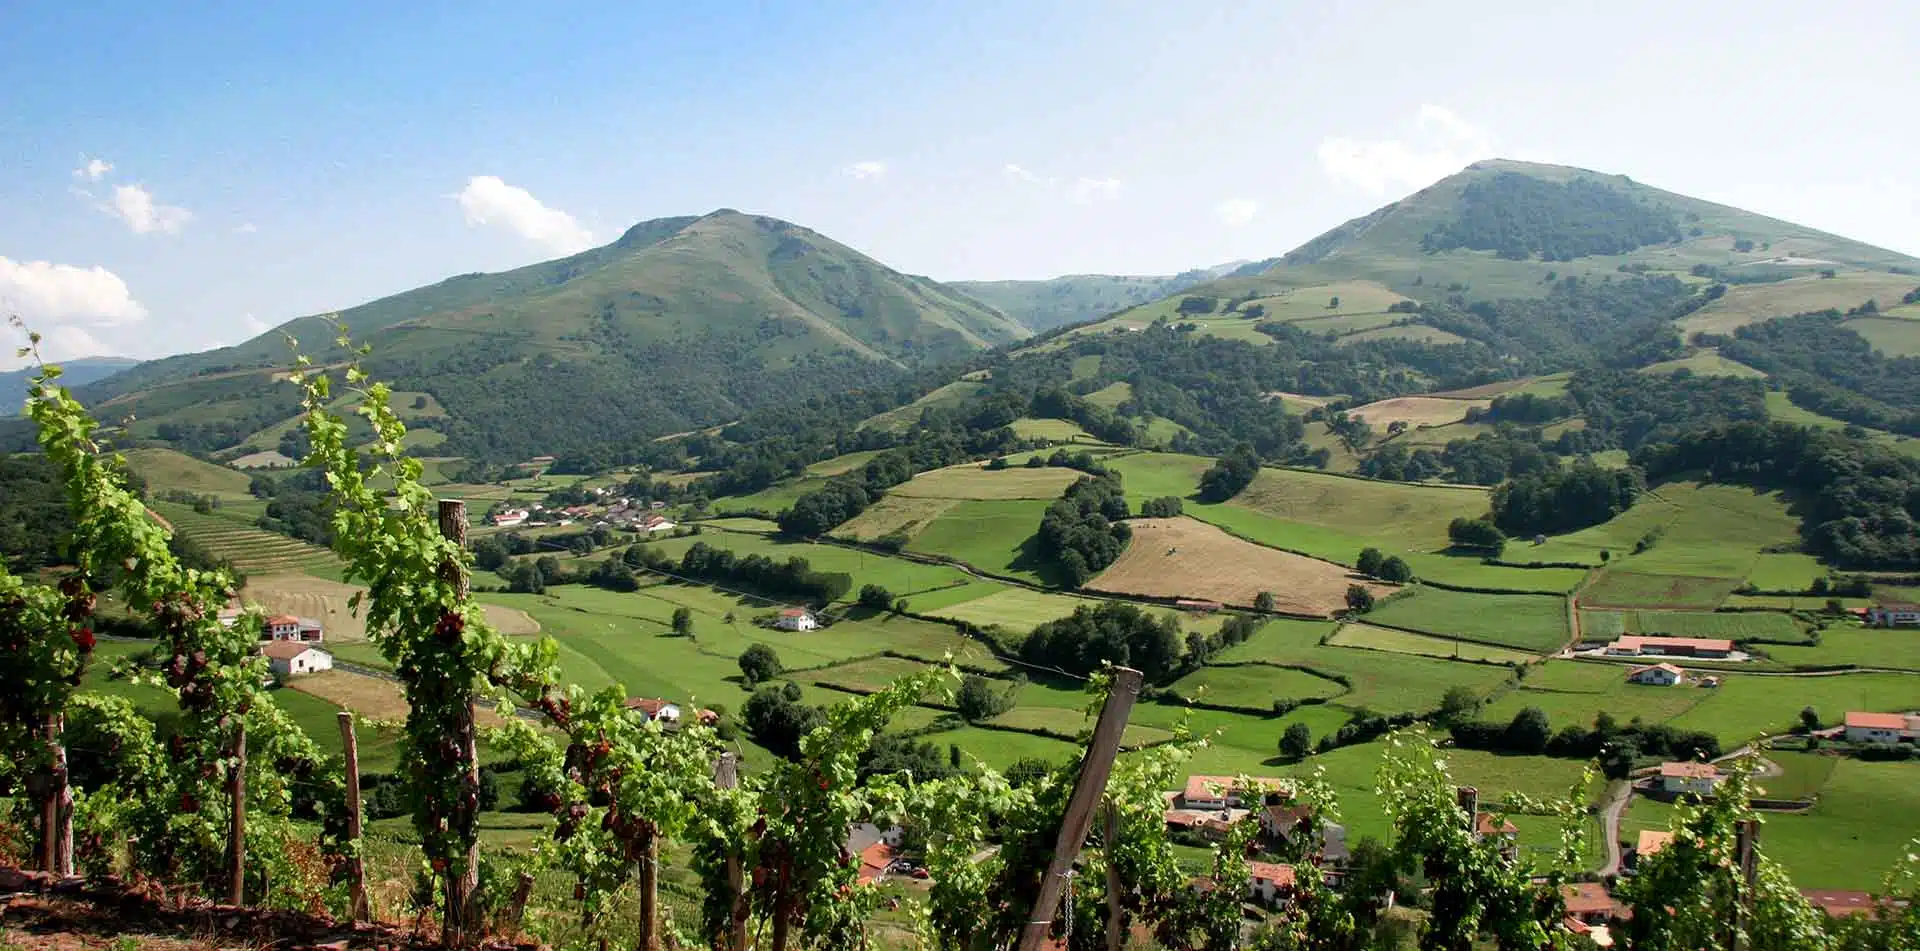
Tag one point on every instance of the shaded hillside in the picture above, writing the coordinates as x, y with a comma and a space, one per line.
1076, 298
79, 372
682, 323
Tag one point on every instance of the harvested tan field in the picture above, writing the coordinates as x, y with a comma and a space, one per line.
1188, 558
1416, 411
326, 601
369, 697
894, 513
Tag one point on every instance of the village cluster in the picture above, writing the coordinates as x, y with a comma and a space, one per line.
612, 511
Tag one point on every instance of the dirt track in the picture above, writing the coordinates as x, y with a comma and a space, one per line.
1188, 558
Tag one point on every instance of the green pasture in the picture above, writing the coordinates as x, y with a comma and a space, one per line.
1849, 642
993, 536
1529, 622
1618, 588
1405, 642
1735, 626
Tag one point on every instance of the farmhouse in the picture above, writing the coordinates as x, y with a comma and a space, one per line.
1651, 842
795, 619
1698, 779
1635, 645
1284, 823
1882, 728
1589, 902
653, 522
1219, 793
1271, 881
512, 518
286, 627
1894, 615
1658, 675
657, 710
293, 658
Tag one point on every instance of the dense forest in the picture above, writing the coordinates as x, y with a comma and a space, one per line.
1517, 216
1831, 370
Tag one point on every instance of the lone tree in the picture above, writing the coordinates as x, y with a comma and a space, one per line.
759, 664
1529, 732
682, 621
1809, 719
1369, 562
1395, 569
1457, 704
875, 598
1359, 599
1263, 601
1297, 742
978, 700
1476, 533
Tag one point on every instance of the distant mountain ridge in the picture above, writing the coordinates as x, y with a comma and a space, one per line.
1075, 298
680, 323
78, 372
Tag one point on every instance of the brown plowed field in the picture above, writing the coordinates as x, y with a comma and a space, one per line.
1187, 558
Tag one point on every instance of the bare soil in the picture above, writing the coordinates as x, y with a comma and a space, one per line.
1416, 411
367, 696
1188, 558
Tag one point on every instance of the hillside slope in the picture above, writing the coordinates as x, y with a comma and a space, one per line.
1043, 305
79, 372
681, 323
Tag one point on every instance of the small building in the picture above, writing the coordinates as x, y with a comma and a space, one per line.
1893, 615
292, 658
1638, 645
1881, 728
286, 627
1658, 675
657, 710
512, 518
1271, 881
1695, 779
1589, 903
1220, 793
653, 522
795, 619
1651, 841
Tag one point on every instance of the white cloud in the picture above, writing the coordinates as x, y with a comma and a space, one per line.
93, 170
1236, 211
1015, 173
1444, 143
1089, 190
134, 205
488, 200
246, 228
66, 342
53, 293
866, 170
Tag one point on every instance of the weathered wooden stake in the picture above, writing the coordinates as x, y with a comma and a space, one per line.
1746, 834
356, 868
516, 910
463, 877
1095, 767
237, 829
1116, 918
726, 775
650, 893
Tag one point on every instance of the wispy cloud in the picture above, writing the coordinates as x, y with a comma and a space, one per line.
1086, 191
1442, 143
93, 170
487, 200
1236, 211
862, 171
254, 326
1018, 173
136, 206
246, 227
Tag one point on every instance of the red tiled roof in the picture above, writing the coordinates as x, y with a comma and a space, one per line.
1876, 721
874, 859
1689, 771
651, 706
1637, 642
1651, 841
1280, 875
279, 619
1216, 787
1669, 668
1587, 898
1483, 825
793, 612
285, 650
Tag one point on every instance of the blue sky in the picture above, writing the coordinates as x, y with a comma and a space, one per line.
273, 160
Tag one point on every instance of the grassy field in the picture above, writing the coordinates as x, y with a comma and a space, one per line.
893, 513
1380, 681
1747, 303
974, 481
1704, 530
1535, 623
252, 550
1416, 411
327, 601
1732, 626
1850, 643
900, 576
1184, 557
1843, 841
1254, 686
1744, 707
1706, 362
946, 397
1574, 693
995, 536
1617, 588
1414, 517
1057, 430
840, 465
1419, 332
1893, 336
168, 469
1403, 642
1782, 409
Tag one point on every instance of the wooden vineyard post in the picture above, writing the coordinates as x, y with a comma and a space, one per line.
237, 830
1116, 919
1088, 790
356, 867
516, 910
1746, 835
463, 877
726, 775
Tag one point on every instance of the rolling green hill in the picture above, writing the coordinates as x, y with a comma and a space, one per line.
80, 372
681, 323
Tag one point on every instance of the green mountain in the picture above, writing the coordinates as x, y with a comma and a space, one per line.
1076, 298
1502, 229
79, 372
680, 324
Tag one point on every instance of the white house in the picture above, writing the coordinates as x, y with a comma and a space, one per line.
657, 710
293, 658
286, 627
1894, 615
1698, 779
1271, 881
651, 523
1882, 728
795, 619
511, 518
1219, 792
1658, 675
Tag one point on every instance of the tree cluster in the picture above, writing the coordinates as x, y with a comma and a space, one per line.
1531, 733
1517, 216
1557, 501
1113, 632
1084, 530
1229, 474
793, 577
